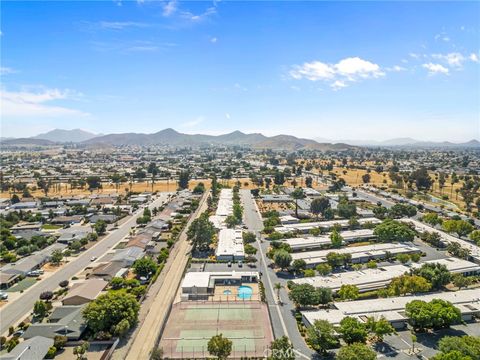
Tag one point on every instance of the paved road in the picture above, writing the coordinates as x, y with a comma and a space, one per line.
15, 311
162, 296
282, 319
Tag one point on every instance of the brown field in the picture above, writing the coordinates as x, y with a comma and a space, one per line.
160, 186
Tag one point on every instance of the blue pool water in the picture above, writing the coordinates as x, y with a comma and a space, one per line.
227, 292
245, 292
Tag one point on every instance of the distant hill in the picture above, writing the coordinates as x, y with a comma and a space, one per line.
174, 138
59, 135
410, 143
27, 141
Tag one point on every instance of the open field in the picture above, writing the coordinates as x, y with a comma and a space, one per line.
191, 325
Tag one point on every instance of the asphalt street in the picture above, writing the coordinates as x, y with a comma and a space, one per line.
281, 314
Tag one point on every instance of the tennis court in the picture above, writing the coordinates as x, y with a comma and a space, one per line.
192, 324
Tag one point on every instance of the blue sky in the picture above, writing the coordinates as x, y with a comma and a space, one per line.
334, 70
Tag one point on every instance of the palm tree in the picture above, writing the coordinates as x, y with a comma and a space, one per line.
297, 194
278, 287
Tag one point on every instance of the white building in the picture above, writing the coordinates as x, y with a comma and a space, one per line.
312, 242
306, 227
224, 208
393, 309
373, 279
359, 254
201, 285
230, 245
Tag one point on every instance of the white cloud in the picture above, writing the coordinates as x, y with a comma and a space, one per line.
442, 37
7, 70
213, 40
169, 8
29, 103
473, 57
435, 69
398, 68
338, 75
337, 85
313, 71
413, 55
454, 59
227, 116
142, 48
355, 67
187, 15
121, 25
193, 123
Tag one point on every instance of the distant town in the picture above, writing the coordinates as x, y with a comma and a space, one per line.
134, 251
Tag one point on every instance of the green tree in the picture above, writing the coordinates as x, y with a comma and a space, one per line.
352, 330
299, 265
56, 257
348, 292
40, 309
281, 349
80, 350
435, 314
380, 327
323, 269
304, 295
475, 236
319, 206
336, 239
432, 219
183, 179
366, 178
460, 281
356, 351
201, 232
282, 259
392, 230
460, 227
325, 295
94, 182
408, 284
249, 237
108, 310
403, 258
321, 336
100, 227
219, 346
435, 273
145, 267
466, 346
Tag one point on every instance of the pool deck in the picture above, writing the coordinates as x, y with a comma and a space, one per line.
220, 296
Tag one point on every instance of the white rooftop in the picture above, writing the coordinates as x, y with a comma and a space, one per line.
322, 224
230, 243
357, 252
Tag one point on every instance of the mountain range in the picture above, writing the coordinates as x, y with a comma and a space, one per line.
408, 142
172, 137
60, 135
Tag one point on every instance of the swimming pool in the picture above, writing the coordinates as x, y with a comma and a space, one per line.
245, 292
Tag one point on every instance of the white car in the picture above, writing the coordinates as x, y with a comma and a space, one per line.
3, 296
93, 258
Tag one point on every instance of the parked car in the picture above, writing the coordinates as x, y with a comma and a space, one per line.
229, 264
18, 333
93, 258
3, 296
240, 263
